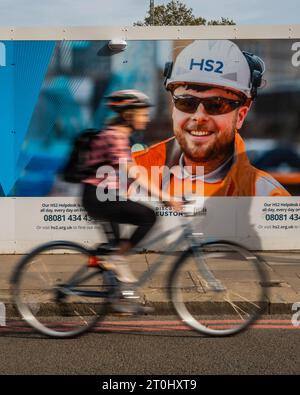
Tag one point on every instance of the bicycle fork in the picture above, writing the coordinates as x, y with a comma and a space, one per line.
212, 282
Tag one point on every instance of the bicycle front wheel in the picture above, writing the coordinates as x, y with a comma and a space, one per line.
55, 291
218, 289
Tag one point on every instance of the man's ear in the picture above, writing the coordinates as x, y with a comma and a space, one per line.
242, 113
249, 104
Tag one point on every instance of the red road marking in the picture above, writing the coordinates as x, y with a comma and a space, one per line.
180, 322
168, 322
157, 326
181, 328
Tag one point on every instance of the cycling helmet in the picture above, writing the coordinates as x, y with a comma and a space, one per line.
127, 99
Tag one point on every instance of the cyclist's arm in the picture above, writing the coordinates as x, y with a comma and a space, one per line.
152, 188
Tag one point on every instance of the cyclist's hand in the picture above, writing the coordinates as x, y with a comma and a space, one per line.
176, 205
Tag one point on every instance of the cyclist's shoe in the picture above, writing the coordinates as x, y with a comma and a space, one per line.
123, 306
121, 269
115, 263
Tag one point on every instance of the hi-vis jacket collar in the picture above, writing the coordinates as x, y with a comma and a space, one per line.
242, 179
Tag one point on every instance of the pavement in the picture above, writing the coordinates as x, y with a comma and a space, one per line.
283, 283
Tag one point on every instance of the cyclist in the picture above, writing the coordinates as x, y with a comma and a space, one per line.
213, 84
101, 197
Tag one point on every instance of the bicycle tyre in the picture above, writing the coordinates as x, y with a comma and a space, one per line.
226, 312
44, 306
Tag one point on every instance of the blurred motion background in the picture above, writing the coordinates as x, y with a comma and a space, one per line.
81, 73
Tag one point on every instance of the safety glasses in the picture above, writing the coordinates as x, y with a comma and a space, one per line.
213, 105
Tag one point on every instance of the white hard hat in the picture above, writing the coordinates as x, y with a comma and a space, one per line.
214, 62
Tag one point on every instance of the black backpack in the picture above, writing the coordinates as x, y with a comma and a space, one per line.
76, 170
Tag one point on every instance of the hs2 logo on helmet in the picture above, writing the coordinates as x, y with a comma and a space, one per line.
215, 66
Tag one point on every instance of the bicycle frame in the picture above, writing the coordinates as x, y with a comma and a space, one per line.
187, 235
81, 274
194, 244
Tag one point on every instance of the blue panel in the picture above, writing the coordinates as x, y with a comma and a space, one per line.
20, 80
7, 168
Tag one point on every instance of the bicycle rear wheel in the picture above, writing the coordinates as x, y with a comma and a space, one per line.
219, 290
55, 291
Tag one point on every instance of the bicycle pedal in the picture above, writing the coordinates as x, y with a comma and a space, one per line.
139, 311
145, 310
120, 314
119, 309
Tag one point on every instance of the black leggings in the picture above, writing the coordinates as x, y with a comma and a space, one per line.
119, 212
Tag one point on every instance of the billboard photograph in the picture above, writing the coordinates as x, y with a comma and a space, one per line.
62, 88
149, 194
226, 107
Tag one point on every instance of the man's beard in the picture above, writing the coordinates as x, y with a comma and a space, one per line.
203, 153
212, 150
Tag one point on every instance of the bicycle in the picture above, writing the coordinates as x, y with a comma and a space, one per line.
210, 278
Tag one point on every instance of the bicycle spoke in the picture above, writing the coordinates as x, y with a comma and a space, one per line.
211, 295
237, 308
53, 304
245, 299
48, 275
78, 315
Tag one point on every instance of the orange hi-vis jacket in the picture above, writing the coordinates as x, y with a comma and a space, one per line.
242, 179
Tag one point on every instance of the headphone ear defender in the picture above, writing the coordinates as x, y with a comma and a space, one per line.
167, 72
256, 82
257, 68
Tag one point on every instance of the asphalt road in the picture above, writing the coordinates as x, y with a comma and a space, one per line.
153, 349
